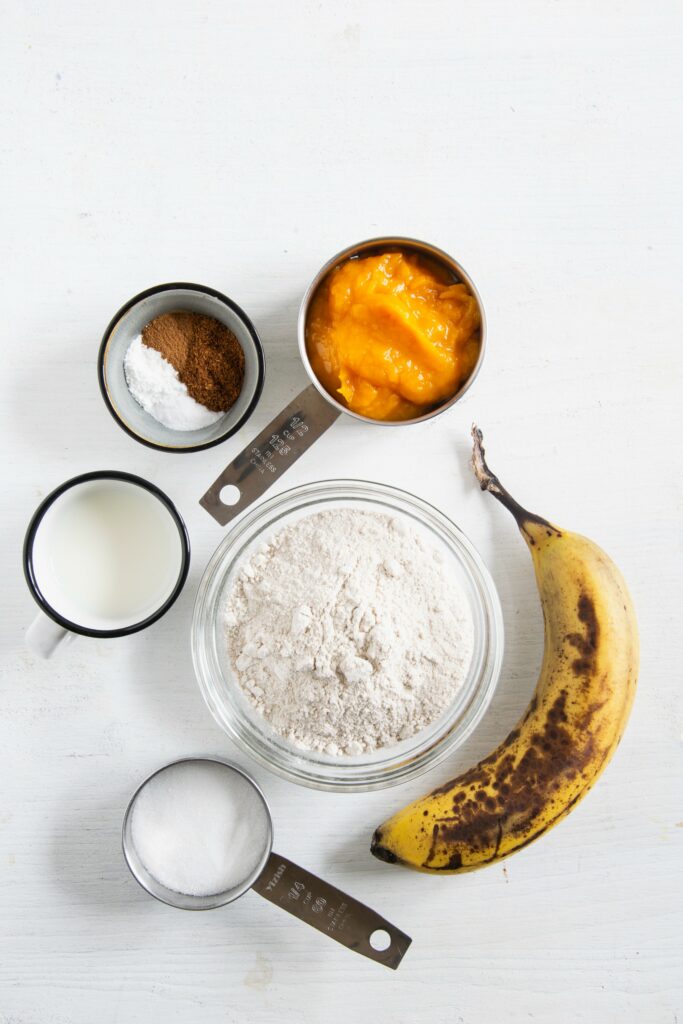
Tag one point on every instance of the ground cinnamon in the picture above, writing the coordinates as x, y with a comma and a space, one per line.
207, 355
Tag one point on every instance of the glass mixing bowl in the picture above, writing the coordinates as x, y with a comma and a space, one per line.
389, 765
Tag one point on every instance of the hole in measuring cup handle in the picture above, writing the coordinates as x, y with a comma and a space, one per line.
271, 453
380, 940
229, 495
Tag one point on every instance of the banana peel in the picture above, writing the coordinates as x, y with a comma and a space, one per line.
570, 729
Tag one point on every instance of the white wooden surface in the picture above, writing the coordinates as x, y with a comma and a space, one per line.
240, 145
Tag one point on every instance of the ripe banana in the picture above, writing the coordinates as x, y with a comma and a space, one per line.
570, 730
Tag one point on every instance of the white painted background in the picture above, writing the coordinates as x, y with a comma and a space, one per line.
240, 145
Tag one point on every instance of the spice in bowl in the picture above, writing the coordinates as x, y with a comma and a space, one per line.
393, 336
346, 634
185, 369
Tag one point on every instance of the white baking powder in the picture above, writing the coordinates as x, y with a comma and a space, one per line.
347, 632
199, 828
154, 383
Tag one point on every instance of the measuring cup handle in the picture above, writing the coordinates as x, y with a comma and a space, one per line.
330, 910
271, 453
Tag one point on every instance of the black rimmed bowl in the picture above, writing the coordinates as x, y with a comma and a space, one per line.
128, 323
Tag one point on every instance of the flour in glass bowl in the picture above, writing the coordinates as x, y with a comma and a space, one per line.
347, 633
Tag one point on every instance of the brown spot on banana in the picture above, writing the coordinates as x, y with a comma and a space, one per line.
586, 644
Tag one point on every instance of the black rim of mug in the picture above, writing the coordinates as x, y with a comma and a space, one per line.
29, 572
258, 348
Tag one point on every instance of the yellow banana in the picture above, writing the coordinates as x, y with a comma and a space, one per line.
570, 730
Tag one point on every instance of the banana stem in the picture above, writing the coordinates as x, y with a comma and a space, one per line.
488, 481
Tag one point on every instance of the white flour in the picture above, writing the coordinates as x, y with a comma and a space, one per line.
346, 633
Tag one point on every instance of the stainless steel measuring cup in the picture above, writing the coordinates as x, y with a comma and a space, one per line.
314, 410
279, 880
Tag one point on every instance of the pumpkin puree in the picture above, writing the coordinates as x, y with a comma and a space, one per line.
391, 337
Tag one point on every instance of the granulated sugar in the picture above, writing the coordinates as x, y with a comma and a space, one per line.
199, 828
347, 633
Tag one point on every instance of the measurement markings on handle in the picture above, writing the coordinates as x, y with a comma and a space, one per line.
278, 444
329, 910
271, 453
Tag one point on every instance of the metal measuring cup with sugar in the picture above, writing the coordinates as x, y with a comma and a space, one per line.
314, 410
279, 880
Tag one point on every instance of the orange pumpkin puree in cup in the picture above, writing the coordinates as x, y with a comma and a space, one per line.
392, 336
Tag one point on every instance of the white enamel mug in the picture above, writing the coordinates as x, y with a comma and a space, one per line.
105, 554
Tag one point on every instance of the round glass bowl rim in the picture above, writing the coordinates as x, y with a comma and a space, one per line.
307, 767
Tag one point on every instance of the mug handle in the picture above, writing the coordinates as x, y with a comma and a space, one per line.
44, 635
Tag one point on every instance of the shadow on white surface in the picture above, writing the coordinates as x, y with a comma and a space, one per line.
56, 401
86, 858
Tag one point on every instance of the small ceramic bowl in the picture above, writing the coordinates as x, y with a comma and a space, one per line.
129, 322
